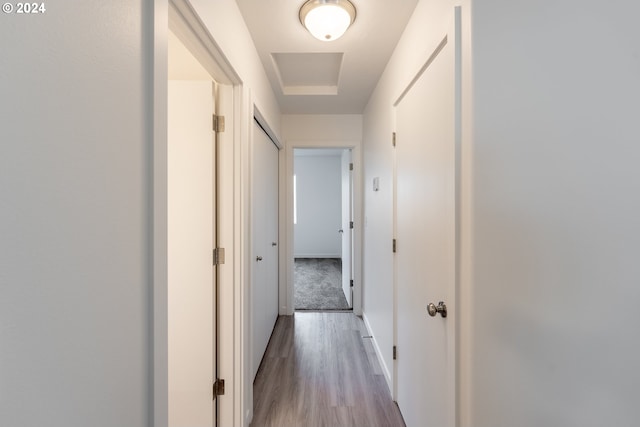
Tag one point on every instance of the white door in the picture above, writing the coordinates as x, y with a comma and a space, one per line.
347, 231
191, 292
265, 242
426, 242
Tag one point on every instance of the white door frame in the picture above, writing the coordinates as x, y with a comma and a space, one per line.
234, 98
286, 221
346, 237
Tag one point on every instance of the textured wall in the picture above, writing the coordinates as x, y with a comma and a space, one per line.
74, 216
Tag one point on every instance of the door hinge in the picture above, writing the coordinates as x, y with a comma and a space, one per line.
218, 123
218, 256
351, 225
218, 388
350, 166
395, 352
393, 139
395, 246
351, 282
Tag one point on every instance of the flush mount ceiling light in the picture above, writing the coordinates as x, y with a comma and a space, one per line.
327, 20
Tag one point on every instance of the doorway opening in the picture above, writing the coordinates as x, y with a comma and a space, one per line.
323, 229
193, 230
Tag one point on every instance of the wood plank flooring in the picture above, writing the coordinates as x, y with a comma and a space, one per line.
319, 371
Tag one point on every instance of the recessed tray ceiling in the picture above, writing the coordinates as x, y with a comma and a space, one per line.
308, 73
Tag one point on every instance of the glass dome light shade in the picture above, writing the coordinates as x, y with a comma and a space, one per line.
327, 20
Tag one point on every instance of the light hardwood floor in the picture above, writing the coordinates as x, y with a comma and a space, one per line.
320, 371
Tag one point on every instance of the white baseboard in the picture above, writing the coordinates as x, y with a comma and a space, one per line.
385, 368
318, 256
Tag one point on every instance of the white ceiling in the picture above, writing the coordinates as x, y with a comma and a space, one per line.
310, 76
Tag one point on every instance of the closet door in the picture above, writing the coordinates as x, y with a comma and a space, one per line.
264, 290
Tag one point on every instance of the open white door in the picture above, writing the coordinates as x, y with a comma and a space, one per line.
191, 239
347, 230
426, 152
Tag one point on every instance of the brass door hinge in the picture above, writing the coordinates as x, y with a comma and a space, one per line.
218, 256
218, 388
218, 123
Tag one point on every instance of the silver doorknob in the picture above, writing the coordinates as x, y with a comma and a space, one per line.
435, 309
258, 258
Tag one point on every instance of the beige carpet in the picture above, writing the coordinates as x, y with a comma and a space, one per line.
318, 284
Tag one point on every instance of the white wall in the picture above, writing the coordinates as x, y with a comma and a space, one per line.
76, 217
227, 27
425, 30
319, 206
321, 130
556, 205
550, 208
75, 187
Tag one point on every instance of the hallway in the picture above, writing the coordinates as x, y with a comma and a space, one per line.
535, 257
319, 370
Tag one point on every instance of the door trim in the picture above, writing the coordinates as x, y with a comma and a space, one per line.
185, 23
264, 124
286, 224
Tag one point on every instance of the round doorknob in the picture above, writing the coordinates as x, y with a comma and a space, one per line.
435, 309
258, 258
